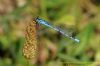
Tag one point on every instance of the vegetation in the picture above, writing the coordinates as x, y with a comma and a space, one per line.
79, 18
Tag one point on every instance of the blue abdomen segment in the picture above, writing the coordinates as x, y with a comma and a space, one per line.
43, 22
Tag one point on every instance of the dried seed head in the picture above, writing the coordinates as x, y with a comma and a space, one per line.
30, 47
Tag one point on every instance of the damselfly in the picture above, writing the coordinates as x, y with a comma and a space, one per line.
55, 28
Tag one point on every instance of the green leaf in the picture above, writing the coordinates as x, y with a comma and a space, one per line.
84, 39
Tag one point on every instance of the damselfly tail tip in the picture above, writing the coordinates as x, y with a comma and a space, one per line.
77, 40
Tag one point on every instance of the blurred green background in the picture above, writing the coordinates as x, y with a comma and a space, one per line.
79, 18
